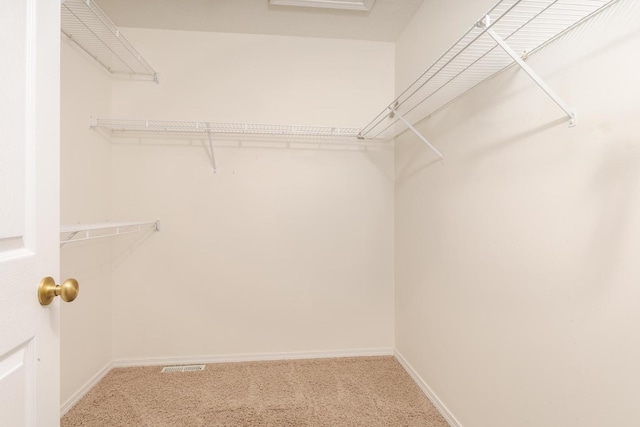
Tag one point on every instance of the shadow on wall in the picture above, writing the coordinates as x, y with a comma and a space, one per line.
436, 127
510, 140
415, 160
379, 152
128, 245
614, 195
622, 11
104, 264
94, 256
383, 158
284, 142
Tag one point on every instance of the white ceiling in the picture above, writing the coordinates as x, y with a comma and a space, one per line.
384, 22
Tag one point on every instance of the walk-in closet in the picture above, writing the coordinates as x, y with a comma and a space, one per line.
323, 213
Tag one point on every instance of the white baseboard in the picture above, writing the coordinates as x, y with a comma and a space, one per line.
75, 398
446, 413
251, 357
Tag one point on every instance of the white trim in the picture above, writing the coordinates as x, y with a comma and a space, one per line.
251, 357
75, 398
446, 413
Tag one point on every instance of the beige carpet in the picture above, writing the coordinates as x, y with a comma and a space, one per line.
363, 391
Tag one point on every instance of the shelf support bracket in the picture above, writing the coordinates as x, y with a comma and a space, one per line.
213, 157
486, 25
414, 130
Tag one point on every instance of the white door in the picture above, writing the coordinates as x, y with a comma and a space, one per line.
29, 210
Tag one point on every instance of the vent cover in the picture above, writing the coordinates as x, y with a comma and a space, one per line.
184, 368
363, 5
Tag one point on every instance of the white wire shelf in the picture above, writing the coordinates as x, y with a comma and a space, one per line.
213, 129
125, 125
525, 25
83, 232
91, 29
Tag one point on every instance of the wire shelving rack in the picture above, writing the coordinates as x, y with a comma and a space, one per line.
214, 129
511, 30
83, 232
84, 23
505, 36
224, 128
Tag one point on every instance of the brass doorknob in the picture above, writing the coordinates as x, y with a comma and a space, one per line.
48, 290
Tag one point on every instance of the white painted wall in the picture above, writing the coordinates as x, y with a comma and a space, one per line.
516, 261
85, 183
284, 249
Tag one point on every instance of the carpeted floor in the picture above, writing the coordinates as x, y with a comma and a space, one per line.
363, 391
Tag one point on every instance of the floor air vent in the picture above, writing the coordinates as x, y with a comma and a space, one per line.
184, 368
